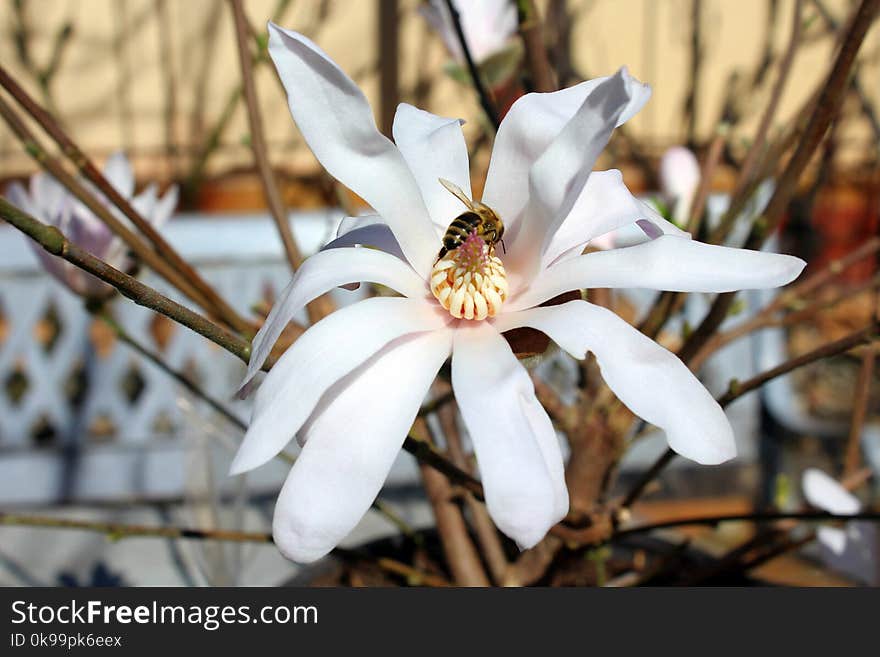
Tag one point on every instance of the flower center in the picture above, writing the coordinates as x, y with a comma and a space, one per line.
470, 281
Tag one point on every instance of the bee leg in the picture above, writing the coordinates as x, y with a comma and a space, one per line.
503, 248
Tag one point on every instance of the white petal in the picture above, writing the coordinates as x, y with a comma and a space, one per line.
532, 123
652, 382
337, 123
366, 230
352, 445
833, 538
145, 202
19, 197
666, 263
324, 271
558, 176
825, 493
548, 443
325, 353
48, 195
118, 173
497, 402
434, 148
165, 207
679, 179
852, 550
604, 205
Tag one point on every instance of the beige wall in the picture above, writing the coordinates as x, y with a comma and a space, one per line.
113, 92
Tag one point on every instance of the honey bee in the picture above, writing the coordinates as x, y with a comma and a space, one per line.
479, 217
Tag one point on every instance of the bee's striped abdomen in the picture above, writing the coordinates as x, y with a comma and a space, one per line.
458, 231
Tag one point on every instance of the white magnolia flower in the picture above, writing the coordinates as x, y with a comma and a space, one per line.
488, 26
351, 386
853, 549
51, 203
679, 180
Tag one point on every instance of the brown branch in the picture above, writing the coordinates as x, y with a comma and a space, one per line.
211, 300
747, 170
852, 454
50, 164
826, 108
768, 318
258, 140
531, 31
426, 453
484, 528
118, 531
816, 516
461, 554
737, 390
713, 157
696, 61
864, 336
54, 241
318, 308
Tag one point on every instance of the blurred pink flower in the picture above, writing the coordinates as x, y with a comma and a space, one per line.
51, 203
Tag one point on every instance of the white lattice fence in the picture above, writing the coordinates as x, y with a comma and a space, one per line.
85, 418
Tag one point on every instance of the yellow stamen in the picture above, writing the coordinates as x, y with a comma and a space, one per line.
470, 287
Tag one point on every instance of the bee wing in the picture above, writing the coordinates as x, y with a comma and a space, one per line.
457, 192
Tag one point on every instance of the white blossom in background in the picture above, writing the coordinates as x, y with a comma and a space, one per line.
51, 203
679, 180
350, 387
488, 26
853, 549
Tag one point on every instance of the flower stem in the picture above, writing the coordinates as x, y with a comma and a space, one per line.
482, 92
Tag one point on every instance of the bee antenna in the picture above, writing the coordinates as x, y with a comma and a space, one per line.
503, 248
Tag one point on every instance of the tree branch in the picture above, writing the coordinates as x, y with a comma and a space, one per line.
211, 299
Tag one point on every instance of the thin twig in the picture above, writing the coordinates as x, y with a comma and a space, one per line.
118, 531
531, 31
91, 172
864, 336
791, 297
484, 528
737, 390
485, 100
51, 164
55, 242
713, 157
816, 516
426, 453
750, 163
853, 451
825, 110
258, 140
696, 61
322, 306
